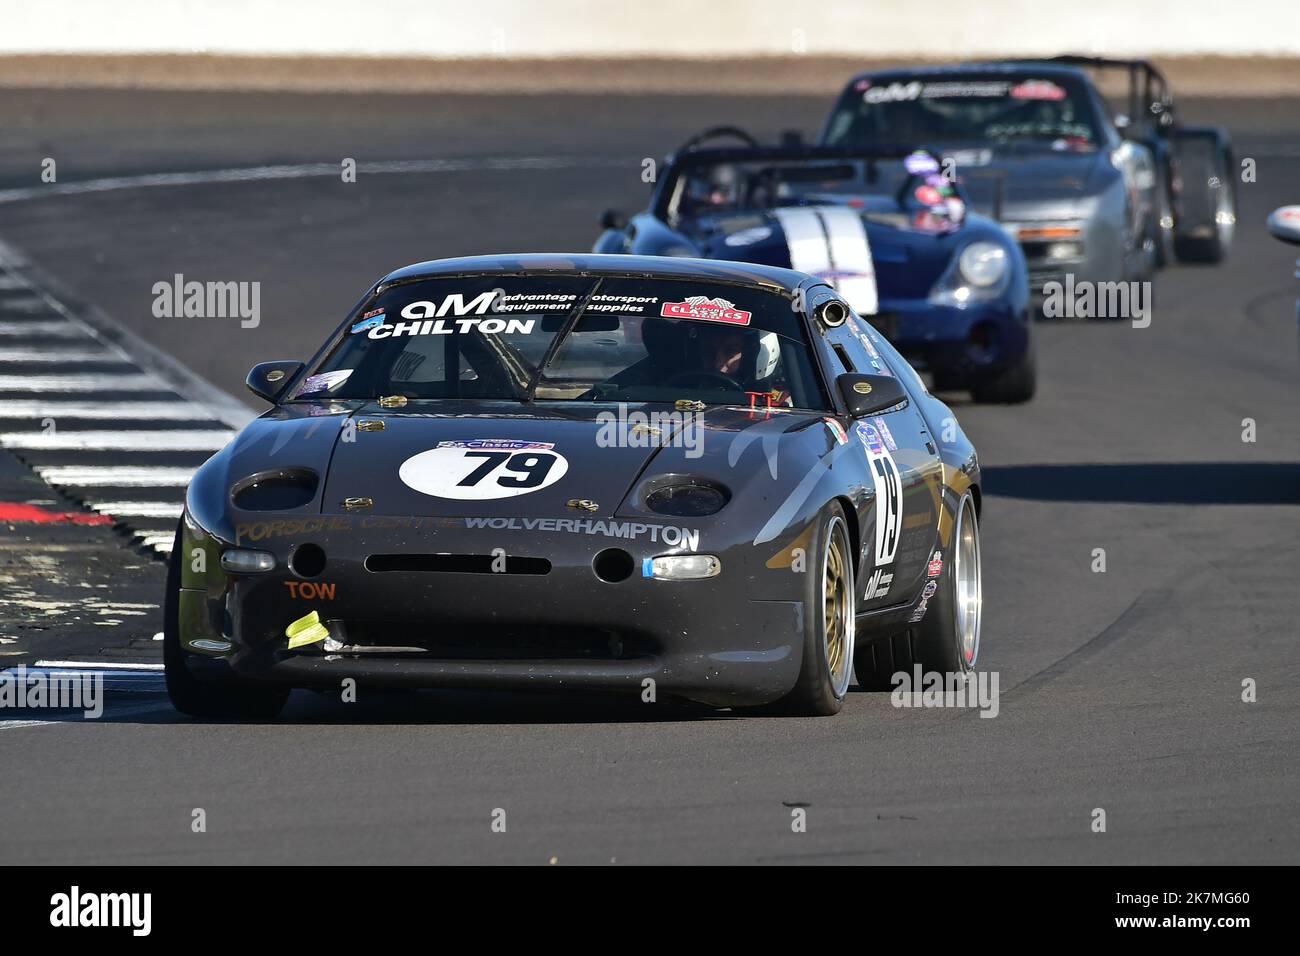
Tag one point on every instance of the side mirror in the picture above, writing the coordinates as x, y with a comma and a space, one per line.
1284, 224
869, 394
268, 379
613, 219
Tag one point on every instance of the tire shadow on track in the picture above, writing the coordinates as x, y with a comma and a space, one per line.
1173, 483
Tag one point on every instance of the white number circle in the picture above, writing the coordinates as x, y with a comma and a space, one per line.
473, 474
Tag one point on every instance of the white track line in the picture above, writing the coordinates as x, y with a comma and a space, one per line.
62, 356
110, 410
55, 328
138, 509
179, 440
90, 382
26, 306
255, 174
100, 665
116, 476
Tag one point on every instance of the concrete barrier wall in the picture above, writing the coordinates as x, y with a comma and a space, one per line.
442, 29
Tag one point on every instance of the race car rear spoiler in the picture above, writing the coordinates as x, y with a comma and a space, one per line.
1148, 90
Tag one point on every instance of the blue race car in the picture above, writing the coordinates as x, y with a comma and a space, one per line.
886, 226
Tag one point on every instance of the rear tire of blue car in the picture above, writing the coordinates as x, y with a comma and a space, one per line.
830, 622
189, 695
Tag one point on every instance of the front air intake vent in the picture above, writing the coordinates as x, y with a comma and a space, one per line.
458, 563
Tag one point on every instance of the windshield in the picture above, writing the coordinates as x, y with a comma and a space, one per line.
990, 109
516, 338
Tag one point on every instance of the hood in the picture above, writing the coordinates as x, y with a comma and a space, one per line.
1039, 184
868, 253
504, 459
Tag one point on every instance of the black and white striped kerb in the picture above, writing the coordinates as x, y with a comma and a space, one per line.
90, 419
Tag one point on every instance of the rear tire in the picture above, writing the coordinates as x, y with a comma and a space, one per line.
1222, 206
947, 639
195, 698
829, 623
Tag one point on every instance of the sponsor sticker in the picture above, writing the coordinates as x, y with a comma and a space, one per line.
497, 444
888, 436
935, 567
870, 437
836, 429
1037, 90
878, 584
706, 309
324, 381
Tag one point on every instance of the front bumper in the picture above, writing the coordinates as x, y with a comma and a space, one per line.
712, 640
957, 343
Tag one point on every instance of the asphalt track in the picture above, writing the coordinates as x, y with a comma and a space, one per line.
1119, 690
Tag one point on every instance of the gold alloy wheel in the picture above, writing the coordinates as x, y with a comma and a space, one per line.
838, 626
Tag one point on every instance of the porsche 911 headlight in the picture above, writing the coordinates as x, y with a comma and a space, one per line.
983, 264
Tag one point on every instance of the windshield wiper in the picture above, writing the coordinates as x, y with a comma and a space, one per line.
570, 321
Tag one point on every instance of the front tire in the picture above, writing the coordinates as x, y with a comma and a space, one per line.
1013, 386
829, 623
195, 698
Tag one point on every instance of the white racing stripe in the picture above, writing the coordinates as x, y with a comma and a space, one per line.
138, 509
855, 276
806, 240
830, 242
179, 440
111, 411
89, 382
116, 476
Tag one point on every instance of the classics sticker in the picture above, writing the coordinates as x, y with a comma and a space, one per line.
706, 309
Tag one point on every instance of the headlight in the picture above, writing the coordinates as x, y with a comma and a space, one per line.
983, 264
681, 567
694, 499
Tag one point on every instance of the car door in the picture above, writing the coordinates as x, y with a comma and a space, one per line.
898, 547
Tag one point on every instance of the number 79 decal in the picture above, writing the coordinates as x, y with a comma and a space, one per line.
889, 493
477, 474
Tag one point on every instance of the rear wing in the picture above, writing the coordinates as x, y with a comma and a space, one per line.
1148, 90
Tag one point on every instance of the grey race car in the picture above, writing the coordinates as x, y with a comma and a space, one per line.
660, 477
1093, 195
